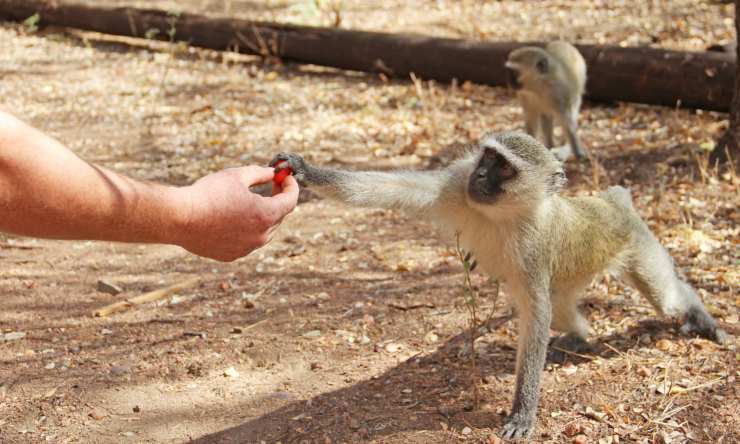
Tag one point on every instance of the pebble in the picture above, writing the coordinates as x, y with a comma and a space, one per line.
392, 347
467, 431
592, 414
572, 429
108, 287
431, 337
580, 439
231, 372
664, 345
118, 370
13, 336
312, 334
96, 414
643, 371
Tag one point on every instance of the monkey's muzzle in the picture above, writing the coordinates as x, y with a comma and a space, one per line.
512, 77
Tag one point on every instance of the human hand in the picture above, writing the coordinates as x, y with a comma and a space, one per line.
224, 220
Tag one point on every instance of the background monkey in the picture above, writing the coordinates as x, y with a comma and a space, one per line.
502, 198
550, 82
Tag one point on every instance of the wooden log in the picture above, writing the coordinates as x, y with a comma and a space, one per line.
727, 149
643, 75
144, 298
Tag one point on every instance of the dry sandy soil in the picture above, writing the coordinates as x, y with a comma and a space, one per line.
349, 326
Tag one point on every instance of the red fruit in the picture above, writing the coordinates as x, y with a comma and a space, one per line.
283, 173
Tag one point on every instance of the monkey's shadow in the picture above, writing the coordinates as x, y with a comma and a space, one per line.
440, 383
377, 407
639, 166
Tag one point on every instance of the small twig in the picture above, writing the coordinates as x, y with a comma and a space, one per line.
572, 353
144, 298
493, 323
621, 355
410, 307
251, 326
19, 246
703, 385
249, 44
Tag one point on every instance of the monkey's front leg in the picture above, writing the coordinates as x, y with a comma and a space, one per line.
571, 130
535, 315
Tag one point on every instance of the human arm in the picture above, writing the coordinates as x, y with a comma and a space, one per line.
47, 191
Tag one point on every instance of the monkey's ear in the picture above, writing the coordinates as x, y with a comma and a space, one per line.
542, 65
557, 181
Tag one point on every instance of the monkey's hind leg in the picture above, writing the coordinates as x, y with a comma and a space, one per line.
570, 125
547, 133
652, 272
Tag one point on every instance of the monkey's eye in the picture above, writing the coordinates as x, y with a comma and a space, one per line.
506, 170
542, 65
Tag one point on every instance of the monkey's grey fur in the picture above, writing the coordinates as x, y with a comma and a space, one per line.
550, 82
502, 198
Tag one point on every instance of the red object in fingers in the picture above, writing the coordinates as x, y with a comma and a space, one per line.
284, 172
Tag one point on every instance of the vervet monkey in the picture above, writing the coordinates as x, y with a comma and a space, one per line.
502, 198
550, 82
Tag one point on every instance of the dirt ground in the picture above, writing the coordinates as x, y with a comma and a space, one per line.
349, 326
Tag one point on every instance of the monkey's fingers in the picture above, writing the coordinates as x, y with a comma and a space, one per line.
280, 157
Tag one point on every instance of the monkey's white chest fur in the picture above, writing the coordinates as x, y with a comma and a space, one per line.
492, 245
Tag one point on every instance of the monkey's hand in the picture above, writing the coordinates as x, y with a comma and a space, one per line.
293, 161
518, 426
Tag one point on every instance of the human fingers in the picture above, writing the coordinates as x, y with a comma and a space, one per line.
253, 174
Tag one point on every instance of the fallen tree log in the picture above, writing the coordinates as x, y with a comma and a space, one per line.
642, 75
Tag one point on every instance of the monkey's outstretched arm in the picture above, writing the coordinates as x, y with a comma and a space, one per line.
410, 190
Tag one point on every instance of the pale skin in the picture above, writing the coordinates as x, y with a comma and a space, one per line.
47, 191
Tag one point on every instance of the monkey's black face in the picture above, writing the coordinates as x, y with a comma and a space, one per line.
485, 185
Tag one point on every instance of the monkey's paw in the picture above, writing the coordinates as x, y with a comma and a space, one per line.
517, 427
699, 322
562, 346
293, 161
563, 153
